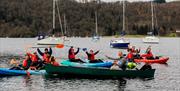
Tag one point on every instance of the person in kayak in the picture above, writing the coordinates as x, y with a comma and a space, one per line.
46, 55
72, 55
148, 54
91, 56
53, 61
26, 63
35, 59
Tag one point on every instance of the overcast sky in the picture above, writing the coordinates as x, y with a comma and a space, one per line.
136, 0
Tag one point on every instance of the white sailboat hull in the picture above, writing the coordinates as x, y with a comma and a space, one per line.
151, 39
51, 41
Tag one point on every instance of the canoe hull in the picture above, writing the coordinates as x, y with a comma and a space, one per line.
161, 60
7, 72
97, 72
104, 64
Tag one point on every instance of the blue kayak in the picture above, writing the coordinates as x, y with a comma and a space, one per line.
8, 72
69, 63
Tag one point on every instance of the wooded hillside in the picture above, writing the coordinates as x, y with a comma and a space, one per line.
27, 18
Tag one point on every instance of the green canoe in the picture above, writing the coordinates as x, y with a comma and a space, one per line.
91, 72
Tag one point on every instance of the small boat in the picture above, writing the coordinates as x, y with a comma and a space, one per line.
8, 72
161, 60
51, 41
77, 64
96, 72
151, 39
119, 43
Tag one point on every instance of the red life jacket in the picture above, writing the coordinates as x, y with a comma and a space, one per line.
92, 57
71, 56
34, 58
25, 63
55, 64
130, 55
149, 54
45, 58
133, 50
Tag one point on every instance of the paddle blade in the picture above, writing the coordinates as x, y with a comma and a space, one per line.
59, 46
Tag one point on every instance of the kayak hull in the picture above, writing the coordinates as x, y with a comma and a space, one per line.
96, 72
161, 60
69, 63
7, 72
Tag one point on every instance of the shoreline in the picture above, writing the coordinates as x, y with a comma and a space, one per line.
115, 36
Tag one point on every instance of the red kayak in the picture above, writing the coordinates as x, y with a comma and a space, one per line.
161, 60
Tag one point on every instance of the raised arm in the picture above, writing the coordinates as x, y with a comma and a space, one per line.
96, 52
113, 58
50, 50
39, 51
77, 51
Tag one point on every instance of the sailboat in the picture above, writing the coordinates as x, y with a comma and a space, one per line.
122, 42
151, 38
52, 40
96, 36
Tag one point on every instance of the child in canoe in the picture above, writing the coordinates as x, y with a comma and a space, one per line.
53, 61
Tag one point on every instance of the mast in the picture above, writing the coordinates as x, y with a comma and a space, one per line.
96, 23
65, 25
54, 2
152, 16
123, 15
60, 22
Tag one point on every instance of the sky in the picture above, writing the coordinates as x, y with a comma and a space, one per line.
136, 0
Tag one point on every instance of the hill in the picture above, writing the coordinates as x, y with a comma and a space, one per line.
27, 18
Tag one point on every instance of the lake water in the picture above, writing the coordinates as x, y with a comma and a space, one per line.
167, 77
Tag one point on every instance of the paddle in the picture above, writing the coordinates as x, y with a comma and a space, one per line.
59, 46
28, 73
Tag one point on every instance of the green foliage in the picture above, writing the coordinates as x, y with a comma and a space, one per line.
25, 18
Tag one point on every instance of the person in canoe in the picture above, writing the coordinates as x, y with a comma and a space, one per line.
46, 55
91, 56
147, 66
119, 63
130, 56
137, 55
25, 64
53, 61
148, 54
72, 55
